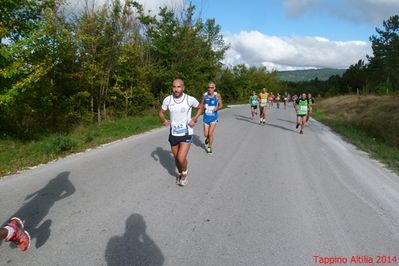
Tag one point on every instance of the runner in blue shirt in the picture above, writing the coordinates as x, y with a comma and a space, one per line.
212, 103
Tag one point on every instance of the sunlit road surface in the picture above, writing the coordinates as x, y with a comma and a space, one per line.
266, 196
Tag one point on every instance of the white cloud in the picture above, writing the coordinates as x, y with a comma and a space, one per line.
75, 6
297, 8
369, 11
294, 52
154, 5
373, 11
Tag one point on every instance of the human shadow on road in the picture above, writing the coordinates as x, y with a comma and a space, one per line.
281, 127
289, 121
245, 118
197, 142
166, 159
134, 247
41, 201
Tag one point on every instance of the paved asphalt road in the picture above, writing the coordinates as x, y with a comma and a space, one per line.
267, 196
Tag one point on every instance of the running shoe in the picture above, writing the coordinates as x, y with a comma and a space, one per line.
16, 222
206, 141
20, 237
301, 132
184, 179
297, 125
209, 150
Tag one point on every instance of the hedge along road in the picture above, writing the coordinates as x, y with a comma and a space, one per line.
267, 196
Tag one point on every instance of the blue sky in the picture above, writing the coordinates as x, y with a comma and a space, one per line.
298, 34
290, 34
272, 17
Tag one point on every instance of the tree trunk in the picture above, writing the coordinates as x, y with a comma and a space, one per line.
99, 113
104, 111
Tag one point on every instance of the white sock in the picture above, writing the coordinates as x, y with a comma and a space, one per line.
10, 232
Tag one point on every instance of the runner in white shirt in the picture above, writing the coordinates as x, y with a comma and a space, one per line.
181, 125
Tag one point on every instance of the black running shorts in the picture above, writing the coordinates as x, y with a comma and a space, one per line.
174, 140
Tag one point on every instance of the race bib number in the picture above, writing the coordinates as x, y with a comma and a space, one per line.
254, 102
209, 110
180, 128
303, 108
263, 101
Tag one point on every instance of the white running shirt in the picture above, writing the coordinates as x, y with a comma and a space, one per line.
180, 113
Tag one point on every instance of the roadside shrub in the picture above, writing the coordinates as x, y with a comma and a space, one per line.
90, 136
382, 89
59, 143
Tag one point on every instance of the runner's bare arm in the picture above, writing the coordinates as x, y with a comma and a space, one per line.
161, 114
220, 103
193, 120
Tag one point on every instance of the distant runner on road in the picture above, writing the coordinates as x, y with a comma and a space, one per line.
271, 100
301, 108
181, 125
311, 104
212, 102
286, 97
263, 98
294, 98
278, 99
253, 101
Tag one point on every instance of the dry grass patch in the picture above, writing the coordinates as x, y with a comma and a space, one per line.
378, 116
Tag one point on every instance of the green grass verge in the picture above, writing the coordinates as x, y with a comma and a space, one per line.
377, 148
17, 155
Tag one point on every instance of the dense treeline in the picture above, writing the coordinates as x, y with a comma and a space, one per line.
379, 76
118, 60
109, 62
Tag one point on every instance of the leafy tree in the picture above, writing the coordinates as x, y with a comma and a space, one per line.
34, 94
19, 18
238, 82
354, 78
384, 64
183, 47
100, 37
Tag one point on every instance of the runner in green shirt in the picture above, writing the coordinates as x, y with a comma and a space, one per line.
253, 101
301, 108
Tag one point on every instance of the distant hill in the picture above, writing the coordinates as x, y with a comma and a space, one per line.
310, 74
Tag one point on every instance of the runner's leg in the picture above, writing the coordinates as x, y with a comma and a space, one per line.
175, 151
211, 130
206, 133
182, 156
303, 119
298, 121
3, 233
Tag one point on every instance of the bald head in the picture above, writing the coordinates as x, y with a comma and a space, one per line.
178, 87
180, 81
